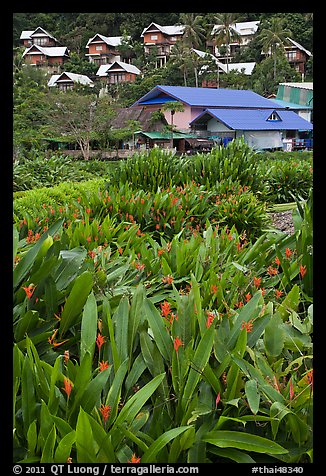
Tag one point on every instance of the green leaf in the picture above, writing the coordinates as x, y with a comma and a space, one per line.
48, 449
136, 402
274, 336
121, 320
290, 302
32, 438
88, 327
85, 444
149, 455
69, 267
26, 263
64, 447
233, 454
76, 301
161, 336
28, 404
252, 394
243, 441
198, 364
92, 393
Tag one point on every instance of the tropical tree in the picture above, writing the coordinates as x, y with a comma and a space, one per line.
173, 107
224, 31
192, 37
274, 38
180, 53
193, 32
80, 117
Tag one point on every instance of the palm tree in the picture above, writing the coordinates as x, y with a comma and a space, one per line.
225, 32
173, 107
180, 53
193, 32
274, 38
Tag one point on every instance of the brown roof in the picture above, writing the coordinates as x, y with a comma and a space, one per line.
142, 115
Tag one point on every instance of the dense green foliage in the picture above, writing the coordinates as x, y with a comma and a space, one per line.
183, 343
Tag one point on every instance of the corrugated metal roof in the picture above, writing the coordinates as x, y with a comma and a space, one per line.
48, 51
170, 30
166, 135
104, 68
109, 40
78, 78
289, 105
256, 119
209, 97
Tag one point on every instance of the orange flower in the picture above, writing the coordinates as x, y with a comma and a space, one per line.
167, 279
177, 342
272, 271
288, 252
277, 261
247, 325
257, 282
134, 459
105, 411
213, 289
165, 309
309, 377
278, 293
103, 365
29, 290
303, 270
67, 386
210, 318
248, 297
100, 341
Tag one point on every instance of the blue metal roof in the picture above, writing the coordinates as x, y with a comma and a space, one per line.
289, 105
207, 97
255, 119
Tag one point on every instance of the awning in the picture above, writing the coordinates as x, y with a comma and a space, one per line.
156, 135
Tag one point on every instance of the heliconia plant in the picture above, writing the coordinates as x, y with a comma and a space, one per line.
135, 342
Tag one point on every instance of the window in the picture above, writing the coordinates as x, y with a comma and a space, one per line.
41, 41
99, 48
154, 37
292, 55
274, 117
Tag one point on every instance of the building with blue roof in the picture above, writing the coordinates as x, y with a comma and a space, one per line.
221, 115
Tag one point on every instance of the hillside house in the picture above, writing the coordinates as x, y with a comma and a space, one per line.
224, 114
104, 49
68, 80
118, 72
52, 57
246, 30
38, 37
297, 56
161, 39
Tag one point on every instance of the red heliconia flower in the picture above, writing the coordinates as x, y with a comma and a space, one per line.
134, 459
248, 297
288, 252
247, 325
165, 308
303, 270
100, 341
67, 386
103, 365
291, 389
29, 290
310, 377
105, 411
257, 282
277, 261
278, 293
177, 342
218, 398
210, 318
